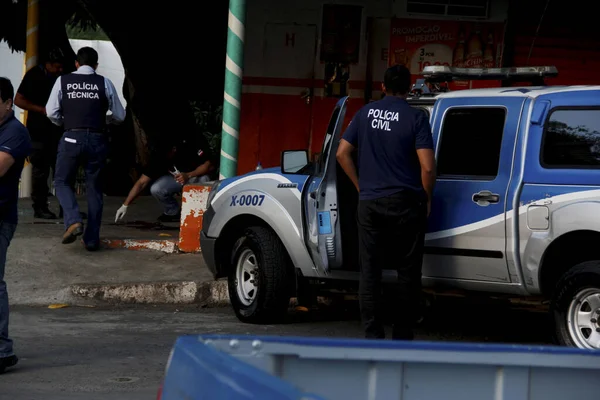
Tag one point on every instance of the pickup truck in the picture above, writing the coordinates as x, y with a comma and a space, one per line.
262, 367
515, 212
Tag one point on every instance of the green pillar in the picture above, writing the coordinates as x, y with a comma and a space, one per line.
234, 66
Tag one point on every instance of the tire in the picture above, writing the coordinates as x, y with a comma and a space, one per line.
260, 250
575, 307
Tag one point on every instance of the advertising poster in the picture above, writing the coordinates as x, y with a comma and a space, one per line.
420, 43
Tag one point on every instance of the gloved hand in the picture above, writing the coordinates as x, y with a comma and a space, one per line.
121, 212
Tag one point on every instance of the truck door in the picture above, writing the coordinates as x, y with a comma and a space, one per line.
323, 229
466, 239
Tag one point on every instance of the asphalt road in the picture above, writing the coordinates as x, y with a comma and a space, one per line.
120, 352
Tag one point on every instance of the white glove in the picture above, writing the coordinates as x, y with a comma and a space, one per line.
121, 212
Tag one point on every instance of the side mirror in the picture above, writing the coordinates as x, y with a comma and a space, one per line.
293, 161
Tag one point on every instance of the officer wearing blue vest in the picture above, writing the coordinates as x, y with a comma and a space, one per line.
396, 174
80, 102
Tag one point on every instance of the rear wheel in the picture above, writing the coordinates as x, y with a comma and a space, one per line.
260, 277
576, 307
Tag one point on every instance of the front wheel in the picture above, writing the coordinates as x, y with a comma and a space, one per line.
260, 277
576, 307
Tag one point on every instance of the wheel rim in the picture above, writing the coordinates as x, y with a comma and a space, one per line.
584, 319
246, 277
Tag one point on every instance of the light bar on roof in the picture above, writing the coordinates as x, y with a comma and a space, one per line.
444, 73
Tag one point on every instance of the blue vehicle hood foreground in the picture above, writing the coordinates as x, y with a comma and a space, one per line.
246, 367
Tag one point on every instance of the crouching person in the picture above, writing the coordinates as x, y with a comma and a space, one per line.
188, 161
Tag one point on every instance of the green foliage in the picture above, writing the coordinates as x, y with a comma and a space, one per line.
82, 27
209, 119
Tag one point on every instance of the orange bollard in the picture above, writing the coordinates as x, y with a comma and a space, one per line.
193, 204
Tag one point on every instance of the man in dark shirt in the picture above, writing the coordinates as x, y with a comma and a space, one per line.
32, 96
15, 146
395, 179
188, 161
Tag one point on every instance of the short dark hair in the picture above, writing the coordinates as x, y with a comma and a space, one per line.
55, 56
397, 79
87, 56
7, 91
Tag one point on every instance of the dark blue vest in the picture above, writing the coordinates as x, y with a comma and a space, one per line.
84, 102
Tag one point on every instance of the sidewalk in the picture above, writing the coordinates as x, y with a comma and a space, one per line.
42, 271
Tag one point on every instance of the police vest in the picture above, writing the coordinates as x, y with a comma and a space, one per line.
84, 102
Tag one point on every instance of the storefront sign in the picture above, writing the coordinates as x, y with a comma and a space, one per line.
420, 43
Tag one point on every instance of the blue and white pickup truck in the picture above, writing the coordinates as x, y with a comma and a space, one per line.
516, 208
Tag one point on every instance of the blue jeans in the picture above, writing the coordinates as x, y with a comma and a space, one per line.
90, 150
165, 188
6, 234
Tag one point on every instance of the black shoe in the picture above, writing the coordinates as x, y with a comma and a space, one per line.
43, 213
8, 362
170, 218
72, 233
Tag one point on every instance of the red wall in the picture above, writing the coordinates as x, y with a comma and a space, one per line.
568, 38
275, 118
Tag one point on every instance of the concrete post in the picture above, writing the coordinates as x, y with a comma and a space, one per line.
31, 59
234, 64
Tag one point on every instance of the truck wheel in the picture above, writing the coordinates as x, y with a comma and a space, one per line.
259, 277
575, 307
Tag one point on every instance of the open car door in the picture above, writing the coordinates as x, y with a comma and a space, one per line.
324, 233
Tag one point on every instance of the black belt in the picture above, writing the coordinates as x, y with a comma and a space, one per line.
88, 130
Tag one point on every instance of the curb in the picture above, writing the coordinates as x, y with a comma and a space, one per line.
206, 294
212, 294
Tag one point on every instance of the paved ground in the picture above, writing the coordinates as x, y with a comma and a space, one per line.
40, 268
120, 353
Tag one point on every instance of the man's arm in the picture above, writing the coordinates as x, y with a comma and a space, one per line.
22, 102
54, 107
344, 157
114, 104
427, 161
29, 85
6, 161
424, 147
138, 187
135, 191
13, 146
200, 171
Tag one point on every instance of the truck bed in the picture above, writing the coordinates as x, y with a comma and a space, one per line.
246, 367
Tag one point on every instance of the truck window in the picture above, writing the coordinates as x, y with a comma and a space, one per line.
572, 139
470, 143
327, 141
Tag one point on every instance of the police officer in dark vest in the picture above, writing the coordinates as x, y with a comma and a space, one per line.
83, 103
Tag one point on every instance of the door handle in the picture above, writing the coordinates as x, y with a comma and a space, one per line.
313, 195
485, 198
